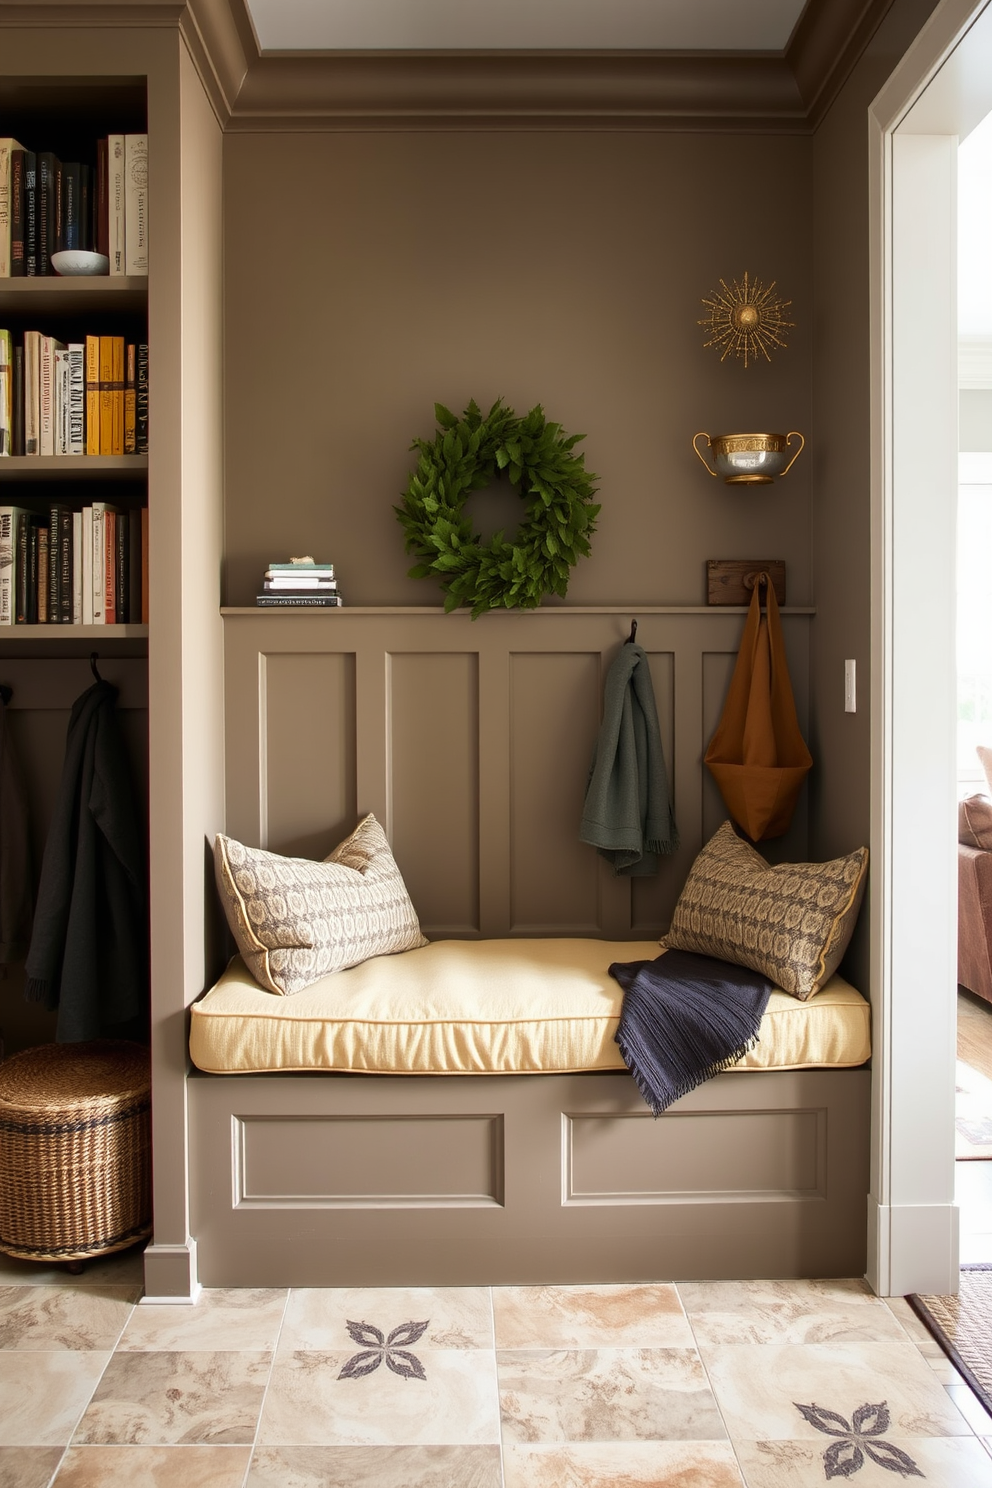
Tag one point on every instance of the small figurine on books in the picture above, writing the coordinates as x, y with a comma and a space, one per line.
300, 584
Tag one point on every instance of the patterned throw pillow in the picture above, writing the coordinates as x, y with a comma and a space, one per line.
792, 922
295, 920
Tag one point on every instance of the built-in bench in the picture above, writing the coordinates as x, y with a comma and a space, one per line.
498, 1137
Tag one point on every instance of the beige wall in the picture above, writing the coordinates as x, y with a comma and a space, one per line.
841, 536
370, 274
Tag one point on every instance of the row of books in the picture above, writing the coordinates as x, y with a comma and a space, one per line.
65, 567
47, 205
87, 398
300, 584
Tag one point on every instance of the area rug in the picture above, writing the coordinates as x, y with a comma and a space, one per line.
972, 1114
962, 1325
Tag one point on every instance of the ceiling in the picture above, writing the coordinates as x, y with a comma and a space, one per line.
523, 25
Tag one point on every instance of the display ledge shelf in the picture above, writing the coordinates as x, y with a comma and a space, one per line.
634, 612
73, 633
73, 467
51, 295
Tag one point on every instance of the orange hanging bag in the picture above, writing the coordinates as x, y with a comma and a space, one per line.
757, 755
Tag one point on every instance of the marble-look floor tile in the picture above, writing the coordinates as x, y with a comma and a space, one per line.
589, 1317
760, 1388
970, 1407
906, 1317
28, 1467
153, 1467
44, 1394
700, 1464
949, 1462
457, 1317
236, 1319
309, 1403
375, 1467
73, 1317
944, 1370
787, 1312
561, 1395
160, 1397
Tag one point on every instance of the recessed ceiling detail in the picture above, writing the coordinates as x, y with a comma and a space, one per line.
523, 25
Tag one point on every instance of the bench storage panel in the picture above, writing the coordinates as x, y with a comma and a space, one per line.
334, 1180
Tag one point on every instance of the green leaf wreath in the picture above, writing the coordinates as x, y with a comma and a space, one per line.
464, 456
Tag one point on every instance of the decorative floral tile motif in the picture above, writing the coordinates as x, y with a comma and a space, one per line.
756, 1385
858, 1440
317, 1317
562, 1395
590, 1317
943, 1462
378, 1348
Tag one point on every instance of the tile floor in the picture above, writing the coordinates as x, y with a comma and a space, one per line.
696, 1385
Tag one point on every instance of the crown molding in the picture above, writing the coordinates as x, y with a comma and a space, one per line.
829, 37
754, 92
535, 90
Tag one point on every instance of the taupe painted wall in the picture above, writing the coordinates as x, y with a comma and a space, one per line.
841, 535
369, 275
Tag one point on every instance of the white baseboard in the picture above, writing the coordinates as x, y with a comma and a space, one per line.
912, 1248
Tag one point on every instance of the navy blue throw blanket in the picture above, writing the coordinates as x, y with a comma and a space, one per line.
684, 1019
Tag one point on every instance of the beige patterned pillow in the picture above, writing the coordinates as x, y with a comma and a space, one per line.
295, 920
792, 922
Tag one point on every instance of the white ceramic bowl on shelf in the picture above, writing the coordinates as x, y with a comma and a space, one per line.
80, 261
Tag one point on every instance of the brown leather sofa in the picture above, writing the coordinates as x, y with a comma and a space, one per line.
975, 895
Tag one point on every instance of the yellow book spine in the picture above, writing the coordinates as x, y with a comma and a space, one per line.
106, 395
117, 390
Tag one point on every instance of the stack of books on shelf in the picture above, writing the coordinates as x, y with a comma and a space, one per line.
300, 584
48, 205
65, 567
87, 398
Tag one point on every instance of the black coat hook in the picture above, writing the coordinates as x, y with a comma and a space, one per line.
633, 633
6, 693
94, 658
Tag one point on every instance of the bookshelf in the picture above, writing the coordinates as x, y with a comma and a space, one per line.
52, 468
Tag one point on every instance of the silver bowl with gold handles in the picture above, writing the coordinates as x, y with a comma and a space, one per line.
750, 459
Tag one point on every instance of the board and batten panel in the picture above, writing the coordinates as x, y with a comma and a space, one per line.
472, 743
433, 756
554, 720
307, 751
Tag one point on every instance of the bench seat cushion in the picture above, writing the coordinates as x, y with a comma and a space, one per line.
458, 1007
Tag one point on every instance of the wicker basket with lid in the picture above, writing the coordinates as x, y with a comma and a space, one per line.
75, 1144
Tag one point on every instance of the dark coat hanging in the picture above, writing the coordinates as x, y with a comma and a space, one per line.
16, 878
88, 955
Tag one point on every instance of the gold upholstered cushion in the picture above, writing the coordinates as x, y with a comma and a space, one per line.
485, 1007
792, 922
295, 920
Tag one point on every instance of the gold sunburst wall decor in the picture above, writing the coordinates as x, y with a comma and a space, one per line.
745, 319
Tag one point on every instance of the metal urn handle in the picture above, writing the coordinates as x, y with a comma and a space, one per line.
705, 463
793, 434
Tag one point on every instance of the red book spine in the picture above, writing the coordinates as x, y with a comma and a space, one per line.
110, 567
